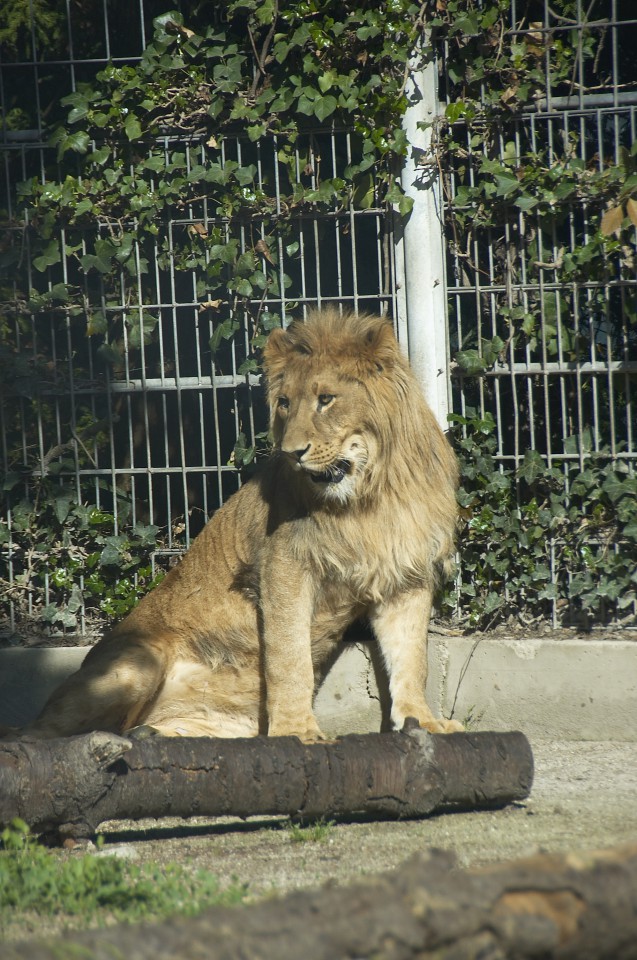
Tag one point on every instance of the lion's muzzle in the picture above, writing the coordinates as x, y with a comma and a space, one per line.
336, 472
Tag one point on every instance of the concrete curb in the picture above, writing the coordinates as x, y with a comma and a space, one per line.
555, 689
552, 689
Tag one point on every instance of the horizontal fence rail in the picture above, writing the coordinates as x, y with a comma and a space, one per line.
138, 403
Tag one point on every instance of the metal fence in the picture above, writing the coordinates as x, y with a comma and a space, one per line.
149, 435
170, 409
568, 391
165, 418
537, 298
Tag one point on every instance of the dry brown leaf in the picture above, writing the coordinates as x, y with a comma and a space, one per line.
631, 210
209, 305
612, 220
262, 248
197, 230
179, 28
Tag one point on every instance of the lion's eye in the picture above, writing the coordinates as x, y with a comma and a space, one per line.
283, 403
324, 399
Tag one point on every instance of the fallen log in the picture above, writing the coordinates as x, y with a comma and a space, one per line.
73, 784
567, 907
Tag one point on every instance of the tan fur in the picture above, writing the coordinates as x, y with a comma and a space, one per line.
227, 645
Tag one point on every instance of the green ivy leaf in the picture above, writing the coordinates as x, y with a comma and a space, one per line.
505, 184
49, 257
111, 555
470, 362
250, 365
533, 467
526, 203
244, 288
132, 127
146, 534
243, 453
325, 107
92, 262
84, 206
223, 331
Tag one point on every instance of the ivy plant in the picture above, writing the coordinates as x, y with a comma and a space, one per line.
72, 569
142, 143
537, 540
156, 174
543, 217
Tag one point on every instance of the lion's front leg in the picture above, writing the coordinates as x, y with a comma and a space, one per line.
286, 611
401, 628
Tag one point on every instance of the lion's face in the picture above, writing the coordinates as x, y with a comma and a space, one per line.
330, 387
320, 423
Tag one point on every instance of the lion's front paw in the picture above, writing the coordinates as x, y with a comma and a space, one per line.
306, 730
441, 726
430, 723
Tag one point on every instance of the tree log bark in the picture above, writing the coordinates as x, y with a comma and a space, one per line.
568, 907
75, 783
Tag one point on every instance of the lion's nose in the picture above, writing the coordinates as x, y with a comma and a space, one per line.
298, 454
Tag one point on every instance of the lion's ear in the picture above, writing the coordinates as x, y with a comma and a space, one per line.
381, 347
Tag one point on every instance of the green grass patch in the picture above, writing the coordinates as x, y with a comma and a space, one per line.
94, 889
313, 833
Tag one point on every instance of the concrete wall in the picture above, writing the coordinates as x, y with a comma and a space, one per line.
556, 689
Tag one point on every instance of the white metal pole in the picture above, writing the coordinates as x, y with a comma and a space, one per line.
421, 259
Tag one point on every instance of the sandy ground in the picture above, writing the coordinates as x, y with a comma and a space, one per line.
584, 796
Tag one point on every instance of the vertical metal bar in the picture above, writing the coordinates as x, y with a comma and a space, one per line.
277, 200
106, 30
353, 217
141, 24
36, 80
337, 237
197, 321
70, 36
9, 517
315, 161
400, 300
178, 390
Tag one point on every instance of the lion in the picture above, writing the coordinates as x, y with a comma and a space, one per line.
351, 517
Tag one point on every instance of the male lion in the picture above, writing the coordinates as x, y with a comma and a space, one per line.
351, 517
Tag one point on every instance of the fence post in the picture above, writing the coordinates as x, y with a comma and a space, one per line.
420, 260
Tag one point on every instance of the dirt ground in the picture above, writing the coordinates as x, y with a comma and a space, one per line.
584, 796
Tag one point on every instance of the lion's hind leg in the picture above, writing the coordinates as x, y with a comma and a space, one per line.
200, 700
111, 691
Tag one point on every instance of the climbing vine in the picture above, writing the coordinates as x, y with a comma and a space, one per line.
542, 214
156, 174
157, 139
